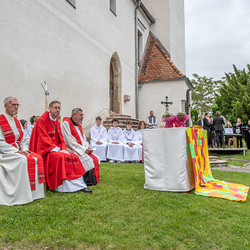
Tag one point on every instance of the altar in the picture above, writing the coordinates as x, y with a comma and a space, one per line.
166, 163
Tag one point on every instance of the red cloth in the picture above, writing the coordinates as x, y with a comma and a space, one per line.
96, 169
31, 162
78, 139
73, 129
8, 133
58, 166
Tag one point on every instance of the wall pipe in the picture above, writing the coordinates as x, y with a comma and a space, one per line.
136, 61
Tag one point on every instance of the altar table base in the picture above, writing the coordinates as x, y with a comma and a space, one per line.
166, 164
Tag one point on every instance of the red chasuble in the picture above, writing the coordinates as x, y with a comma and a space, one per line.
58, 166
78, 139
31, 162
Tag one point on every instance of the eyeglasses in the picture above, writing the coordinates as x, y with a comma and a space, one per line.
56, 108
15, 105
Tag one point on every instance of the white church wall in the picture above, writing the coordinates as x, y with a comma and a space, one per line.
161, 28
170, 28
152, 93
177, 34
69, 49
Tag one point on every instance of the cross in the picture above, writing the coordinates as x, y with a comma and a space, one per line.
166, 103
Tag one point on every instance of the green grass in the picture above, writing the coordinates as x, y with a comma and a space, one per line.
121, 214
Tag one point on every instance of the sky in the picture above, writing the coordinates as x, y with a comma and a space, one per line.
217, 36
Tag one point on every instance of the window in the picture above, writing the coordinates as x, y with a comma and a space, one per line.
72, 3
139, 48
183, 106
112, 6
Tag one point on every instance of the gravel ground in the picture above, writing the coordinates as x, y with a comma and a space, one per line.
245, 169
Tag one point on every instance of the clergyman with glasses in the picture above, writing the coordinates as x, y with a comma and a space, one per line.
21, 171
63, 170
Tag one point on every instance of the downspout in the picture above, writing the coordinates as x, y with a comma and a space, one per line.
136, 61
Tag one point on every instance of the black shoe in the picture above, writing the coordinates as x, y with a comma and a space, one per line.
85, 190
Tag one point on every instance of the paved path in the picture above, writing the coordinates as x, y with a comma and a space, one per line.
245, 169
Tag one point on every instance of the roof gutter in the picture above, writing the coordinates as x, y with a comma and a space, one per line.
146, 12
136, 61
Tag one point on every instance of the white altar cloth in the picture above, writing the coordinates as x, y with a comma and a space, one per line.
166, 163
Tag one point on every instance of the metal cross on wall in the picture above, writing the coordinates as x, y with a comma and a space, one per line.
166, 103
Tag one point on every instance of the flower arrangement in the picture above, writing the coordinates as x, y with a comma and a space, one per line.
177, 120
168, 119
180, 119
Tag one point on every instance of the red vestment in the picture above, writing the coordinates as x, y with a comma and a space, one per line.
78, 139
58, 166
31, 162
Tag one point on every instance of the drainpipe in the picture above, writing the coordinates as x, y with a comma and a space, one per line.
136, 61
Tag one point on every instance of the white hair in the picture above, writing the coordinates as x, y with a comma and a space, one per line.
75, 110
8, 99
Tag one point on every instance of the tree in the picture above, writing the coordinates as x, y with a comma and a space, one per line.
233, 99
214, 108
195, 116
203, 95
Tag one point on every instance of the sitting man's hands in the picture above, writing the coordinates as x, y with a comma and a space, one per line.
89, 150
23, 152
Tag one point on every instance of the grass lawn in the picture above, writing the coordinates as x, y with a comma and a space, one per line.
122, 215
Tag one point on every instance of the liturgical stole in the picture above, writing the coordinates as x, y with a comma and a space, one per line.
10, 139
76, 135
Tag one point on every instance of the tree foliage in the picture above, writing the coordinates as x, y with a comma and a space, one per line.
203, 96
233, 99
195, 116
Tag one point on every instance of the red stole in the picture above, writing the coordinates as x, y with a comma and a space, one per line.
58, 166
73, 129
8, 133
76, 135
31, 162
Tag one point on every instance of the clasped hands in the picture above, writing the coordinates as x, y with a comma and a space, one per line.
89, 150
23, 152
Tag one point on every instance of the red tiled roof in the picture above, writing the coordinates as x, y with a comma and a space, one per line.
156, 63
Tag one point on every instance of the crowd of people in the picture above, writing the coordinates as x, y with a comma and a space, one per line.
217, 129
47, 150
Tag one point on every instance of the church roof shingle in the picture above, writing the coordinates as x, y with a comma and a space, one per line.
156, 63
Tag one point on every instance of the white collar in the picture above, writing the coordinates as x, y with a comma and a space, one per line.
9, 116
50, 117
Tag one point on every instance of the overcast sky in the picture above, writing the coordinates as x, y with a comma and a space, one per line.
217, 36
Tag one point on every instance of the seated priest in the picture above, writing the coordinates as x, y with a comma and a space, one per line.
21, 172
99, 139
76, 143
116, 142
131, 147
63, 170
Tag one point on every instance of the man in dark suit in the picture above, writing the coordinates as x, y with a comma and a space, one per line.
218, 127
207, 126
200, 122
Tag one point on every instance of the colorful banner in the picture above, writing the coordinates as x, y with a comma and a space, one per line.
205, 184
